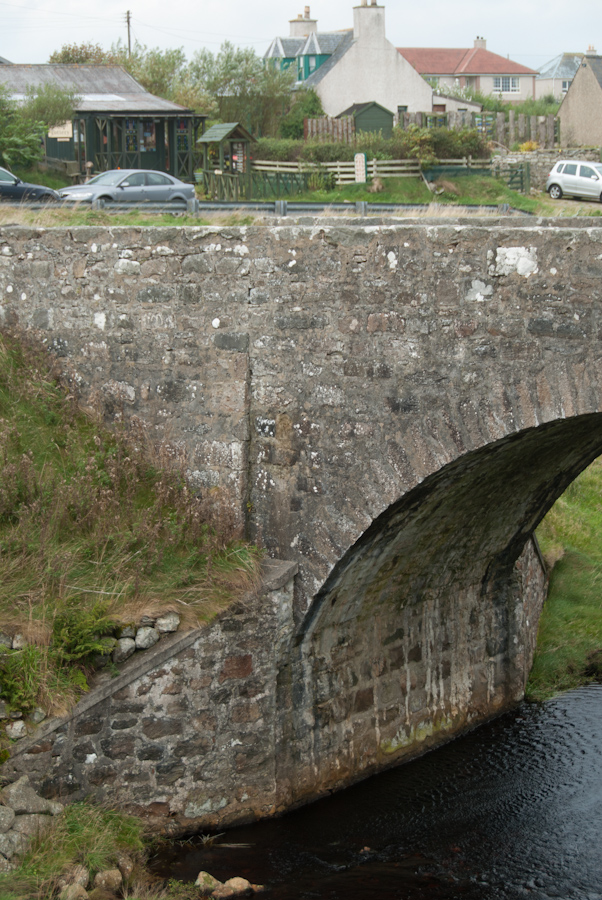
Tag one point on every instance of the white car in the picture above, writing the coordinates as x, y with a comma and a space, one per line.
131, 186
576, 178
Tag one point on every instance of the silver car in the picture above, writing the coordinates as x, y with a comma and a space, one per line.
576, 178
130, 186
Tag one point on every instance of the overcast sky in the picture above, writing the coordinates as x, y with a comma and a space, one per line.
529, 31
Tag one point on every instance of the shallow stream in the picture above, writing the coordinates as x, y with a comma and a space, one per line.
512, 810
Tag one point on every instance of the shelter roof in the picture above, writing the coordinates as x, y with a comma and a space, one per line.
103, 89
225, 131
459, 61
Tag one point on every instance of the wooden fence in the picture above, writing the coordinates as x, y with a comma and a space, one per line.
344, 172
326, 130
519, 128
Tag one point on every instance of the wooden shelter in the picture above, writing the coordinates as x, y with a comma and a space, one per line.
228, 145
116, 122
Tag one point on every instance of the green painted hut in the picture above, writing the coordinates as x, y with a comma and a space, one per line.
116, 122
370, 117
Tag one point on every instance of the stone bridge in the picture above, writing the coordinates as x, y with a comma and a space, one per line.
393, 407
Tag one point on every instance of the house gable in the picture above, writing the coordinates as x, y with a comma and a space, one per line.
580, 112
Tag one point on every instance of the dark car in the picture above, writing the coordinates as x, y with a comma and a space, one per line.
131, 186
15, 190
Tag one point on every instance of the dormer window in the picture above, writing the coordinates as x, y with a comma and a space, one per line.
312, 64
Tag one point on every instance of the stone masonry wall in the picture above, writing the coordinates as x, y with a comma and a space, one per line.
541, 162
187, 732
318, 372
392, 406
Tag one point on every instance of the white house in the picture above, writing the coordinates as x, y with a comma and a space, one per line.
357, 65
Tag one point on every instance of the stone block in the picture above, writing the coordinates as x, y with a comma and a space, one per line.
236, 667
146, 637
7, 817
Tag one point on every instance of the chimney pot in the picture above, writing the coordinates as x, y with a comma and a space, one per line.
307, 12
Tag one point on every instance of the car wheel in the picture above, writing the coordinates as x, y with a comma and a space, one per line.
555, 191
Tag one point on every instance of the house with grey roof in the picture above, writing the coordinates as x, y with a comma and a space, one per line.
355, 65
554, 79
580, 112
116, 122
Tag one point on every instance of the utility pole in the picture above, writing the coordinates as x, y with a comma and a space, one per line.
128, 20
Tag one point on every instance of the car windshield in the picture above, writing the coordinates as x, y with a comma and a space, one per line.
107, 178
598, 169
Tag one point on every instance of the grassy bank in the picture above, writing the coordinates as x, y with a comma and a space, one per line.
570, 631
95, 839
97, 529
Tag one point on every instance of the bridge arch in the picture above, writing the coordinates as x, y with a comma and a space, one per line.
427, 624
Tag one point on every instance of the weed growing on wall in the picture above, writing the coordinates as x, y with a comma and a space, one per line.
96, 530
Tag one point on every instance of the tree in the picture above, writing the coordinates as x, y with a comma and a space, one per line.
81, 55
306, 105
20, 138
241, 88
49, 104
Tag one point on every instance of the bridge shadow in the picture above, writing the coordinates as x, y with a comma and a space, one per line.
427, 625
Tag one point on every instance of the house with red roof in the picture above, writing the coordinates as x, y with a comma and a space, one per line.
476, 69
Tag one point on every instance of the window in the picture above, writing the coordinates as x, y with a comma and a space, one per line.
570, 169
505, 84
135, 180
559, 168
155, 178
587, 172
300, 69
6, 177
312, 63
565, 86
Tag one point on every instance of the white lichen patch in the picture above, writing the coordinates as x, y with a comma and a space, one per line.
508, 260
479, 291
100, 320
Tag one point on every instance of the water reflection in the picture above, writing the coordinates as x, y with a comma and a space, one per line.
513, 810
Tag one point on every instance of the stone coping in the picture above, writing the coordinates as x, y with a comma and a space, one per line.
275, 574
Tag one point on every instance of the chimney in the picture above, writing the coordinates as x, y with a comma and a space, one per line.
303, 24
369, 22
480, 43
591, 51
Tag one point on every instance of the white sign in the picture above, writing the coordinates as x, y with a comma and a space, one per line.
360, 168
62, 132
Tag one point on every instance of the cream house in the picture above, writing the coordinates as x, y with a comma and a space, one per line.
555, 77
476, 68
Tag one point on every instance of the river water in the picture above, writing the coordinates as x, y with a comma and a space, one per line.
512, 810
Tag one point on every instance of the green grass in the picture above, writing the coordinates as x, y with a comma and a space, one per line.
97, 838
570, 630
47, 177
471, 190
96, 529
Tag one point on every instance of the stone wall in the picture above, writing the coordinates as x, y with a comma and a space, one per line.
187, 732
541, 162
394, 406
